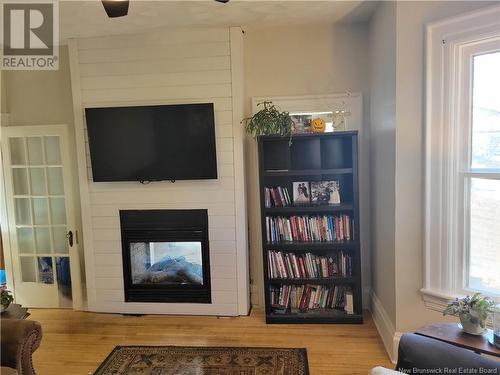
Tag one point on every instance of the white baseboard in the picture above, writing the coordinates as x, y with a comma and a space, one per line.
385, 327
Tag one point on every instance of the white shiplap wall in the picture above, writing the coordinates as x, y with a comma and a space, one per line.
163, 67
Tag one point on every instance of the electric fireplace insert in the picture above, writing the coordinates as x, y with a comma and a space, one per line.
165, 255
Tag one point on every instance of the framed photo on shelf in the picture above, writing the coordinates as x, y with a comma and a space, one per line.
325, 192
301, 193
302, 123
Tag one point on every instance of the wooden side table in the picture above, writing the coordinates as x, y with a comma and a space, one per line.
453, 334
15, 311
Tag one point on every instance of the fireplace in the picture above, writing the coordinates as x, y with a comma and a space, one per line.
165, 255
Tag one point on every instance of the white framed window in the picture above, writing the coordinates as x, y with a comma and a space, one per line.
482, 171
462, 212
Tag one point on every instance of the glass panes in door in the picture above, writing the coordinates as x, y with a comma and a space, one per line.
40, 212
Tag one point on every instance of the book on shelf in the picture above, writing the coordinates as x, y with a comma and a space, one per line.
349, 303
277, 196
304, 298
285, 265
308, 228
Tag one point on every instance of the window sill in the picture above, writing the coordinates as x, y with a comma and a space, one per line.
435, 300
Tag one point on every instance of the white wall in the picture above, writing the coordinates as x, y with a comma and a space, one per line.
306, 60
383, 154
161, 67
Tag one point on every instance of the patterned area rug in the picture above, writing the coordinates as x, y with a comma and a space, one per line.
184, 360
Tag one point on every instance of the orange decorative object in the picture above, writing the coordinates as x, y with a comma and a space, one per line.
318, 125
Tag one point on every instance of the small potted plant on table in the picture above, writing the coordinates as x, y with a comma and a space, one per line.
5, 299
472, 312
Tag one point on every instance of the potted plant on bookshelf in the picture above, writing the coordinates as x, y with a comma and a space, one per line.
5, 299
472, 312
269, 120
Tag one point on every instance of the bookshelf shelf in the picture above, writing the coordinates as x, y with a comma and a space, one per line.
315, 317
299, 210
312, 157
306, 172
312, 246
321, 280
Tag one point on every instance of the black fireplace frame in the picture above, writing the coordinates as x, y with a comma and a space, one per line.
165, 226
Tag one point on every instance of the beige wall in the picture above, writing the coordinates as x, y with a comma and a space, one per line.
383, 154
3, 92
288, 61
411, 20
305, 60
40, 97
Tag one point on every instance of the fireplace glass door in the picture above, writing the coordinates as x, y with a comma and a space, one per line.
166, 256
166, 263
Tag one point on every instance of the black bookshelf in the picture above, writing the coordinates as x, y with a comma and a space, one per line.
312, 157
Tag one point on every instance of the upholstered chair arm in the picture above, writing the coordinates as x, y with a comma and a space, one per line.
19, 339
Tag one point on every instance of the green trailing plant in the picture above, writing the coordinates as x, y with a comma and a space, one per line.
5, 298
474, 309
269, 120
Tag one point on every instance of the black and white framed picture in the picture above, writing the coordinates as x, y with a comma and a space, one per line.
301, 193
302, 123
325, 192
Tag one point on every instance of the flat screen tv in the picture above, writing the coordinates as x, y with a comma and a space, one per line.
152, 143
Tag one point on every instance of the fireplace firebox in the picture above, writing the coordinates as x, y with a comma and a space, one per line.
165, 255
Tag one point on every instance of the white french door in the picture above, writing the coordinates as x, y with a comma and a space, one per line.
41, 217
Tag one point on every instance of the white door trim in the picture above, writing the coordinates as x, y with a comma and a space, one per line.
80, 137
237, 89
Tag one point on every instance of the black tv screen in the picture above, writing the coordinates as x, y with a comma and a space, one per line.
152, 143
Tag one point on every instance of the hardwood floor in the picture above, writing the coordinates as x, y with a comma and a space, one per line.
77, 342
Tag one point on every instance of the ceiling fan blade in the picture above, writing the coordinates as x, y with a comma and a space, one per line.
222, 1
115, 8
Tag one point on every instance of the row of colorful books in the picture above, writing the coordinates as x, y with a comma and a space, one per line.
284, 265
308, 228
303, 298
277, 197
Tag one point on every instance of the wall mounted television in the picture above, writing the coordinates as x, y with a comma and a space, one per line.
152, 143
